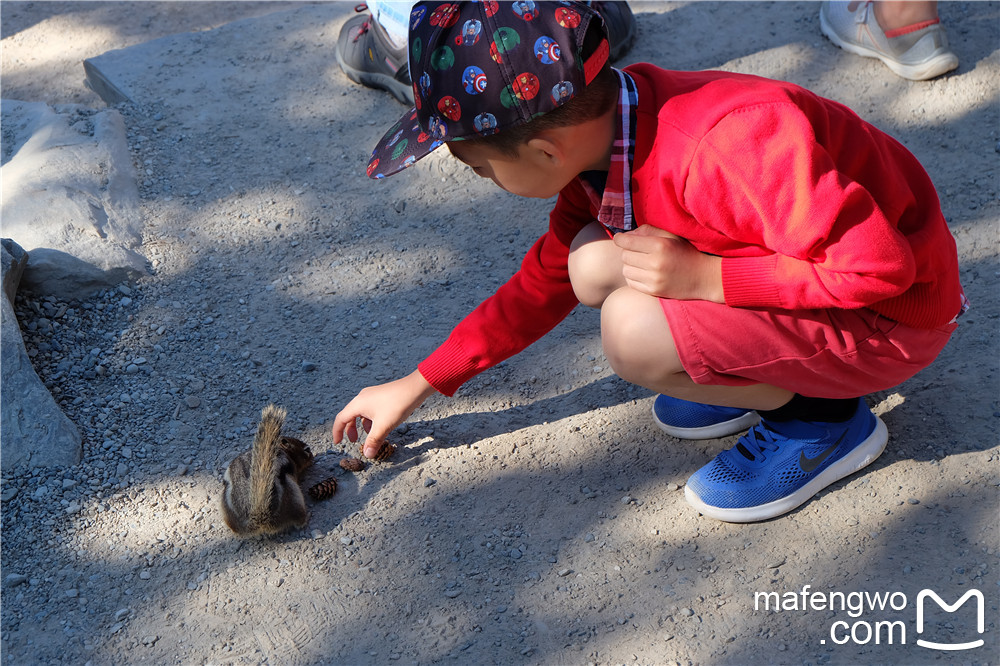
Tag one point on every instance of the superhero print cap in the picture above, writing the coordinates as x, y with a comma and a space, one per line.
481, 67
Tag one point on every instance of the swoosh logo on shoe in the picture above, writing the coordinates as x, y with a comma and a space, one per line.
809, 464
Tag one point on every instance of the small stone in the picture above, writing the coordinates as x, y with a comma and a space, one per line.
72, 593
145, 575
428, 482
626, 499
564, 572
309, 366
590, 537
452, 593
687, 612
150, 640
14, 579
913, 500
346, 540
672, 486
516, 553
192, 401
121, 613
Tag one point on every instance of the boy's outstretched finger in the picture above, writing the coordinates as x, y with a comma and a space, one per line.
374, 440
372, 446
345, 425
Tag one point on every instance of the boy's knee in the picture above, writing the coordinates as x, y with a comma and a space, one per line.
595, 266
620, 328
636, 337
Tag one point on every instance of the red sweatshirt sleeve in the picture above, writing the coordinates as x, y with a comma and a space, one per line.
760, 176
521, 311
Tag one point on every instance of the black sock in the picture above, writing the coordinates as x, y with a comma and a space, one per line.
801, 408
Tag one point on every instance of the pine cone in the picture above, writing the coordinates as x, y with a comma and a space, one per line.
384, 452
352, 464
324, 489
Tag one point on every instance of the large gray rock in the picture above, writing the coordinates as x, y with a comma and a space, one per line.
33, 430
69, 186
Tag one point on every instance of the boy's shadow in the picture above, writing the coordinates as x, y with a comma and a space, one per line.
468, 427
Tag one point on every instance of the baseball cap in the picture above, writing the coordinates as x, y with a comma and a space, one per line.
480, 67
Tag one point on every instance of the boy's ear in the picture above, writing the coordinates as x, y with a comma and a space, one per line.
548, 148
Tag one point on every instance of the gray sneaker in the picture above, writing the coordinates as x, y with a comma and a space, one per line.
917, 53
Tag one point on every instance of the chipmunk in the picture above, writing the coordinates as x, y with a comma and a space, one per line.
262, 493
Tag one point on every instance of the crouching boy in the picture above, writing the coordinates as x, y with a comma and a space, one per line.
762, 257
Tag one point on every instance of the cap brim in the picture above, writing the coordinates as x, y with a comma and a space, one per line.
403, 145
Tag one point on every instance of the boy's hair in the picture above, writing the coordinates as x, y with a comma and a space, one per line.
595, 100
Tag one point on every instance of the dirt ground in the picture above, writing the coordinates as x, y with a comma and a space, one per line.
538, 516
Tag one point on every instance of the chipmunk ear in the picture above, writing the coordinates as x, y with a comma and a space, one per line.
298, 452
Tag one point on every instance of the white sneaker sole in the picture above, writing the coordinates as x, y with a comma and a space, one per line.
862, 456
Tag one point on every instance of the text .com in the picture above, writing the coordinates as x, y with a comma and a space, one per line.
872, 605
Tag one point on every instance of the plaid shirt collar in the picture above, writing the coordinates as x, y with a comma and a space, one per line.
615, 202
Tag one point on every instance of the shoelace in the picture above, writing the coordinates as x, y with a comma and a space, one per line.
363, 28
759, 439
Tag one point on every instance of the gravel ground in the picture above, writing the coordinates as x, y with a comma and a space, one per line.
537, 517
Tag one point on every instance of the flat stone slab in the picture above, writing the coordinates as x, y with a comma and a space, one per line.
212, 67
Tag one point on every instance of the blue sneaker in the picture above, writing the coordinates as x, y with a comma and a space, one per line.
684, 419
778, 466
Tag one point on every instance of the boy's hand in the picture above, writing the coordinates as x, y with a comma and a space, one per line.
658, 263
381, 408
